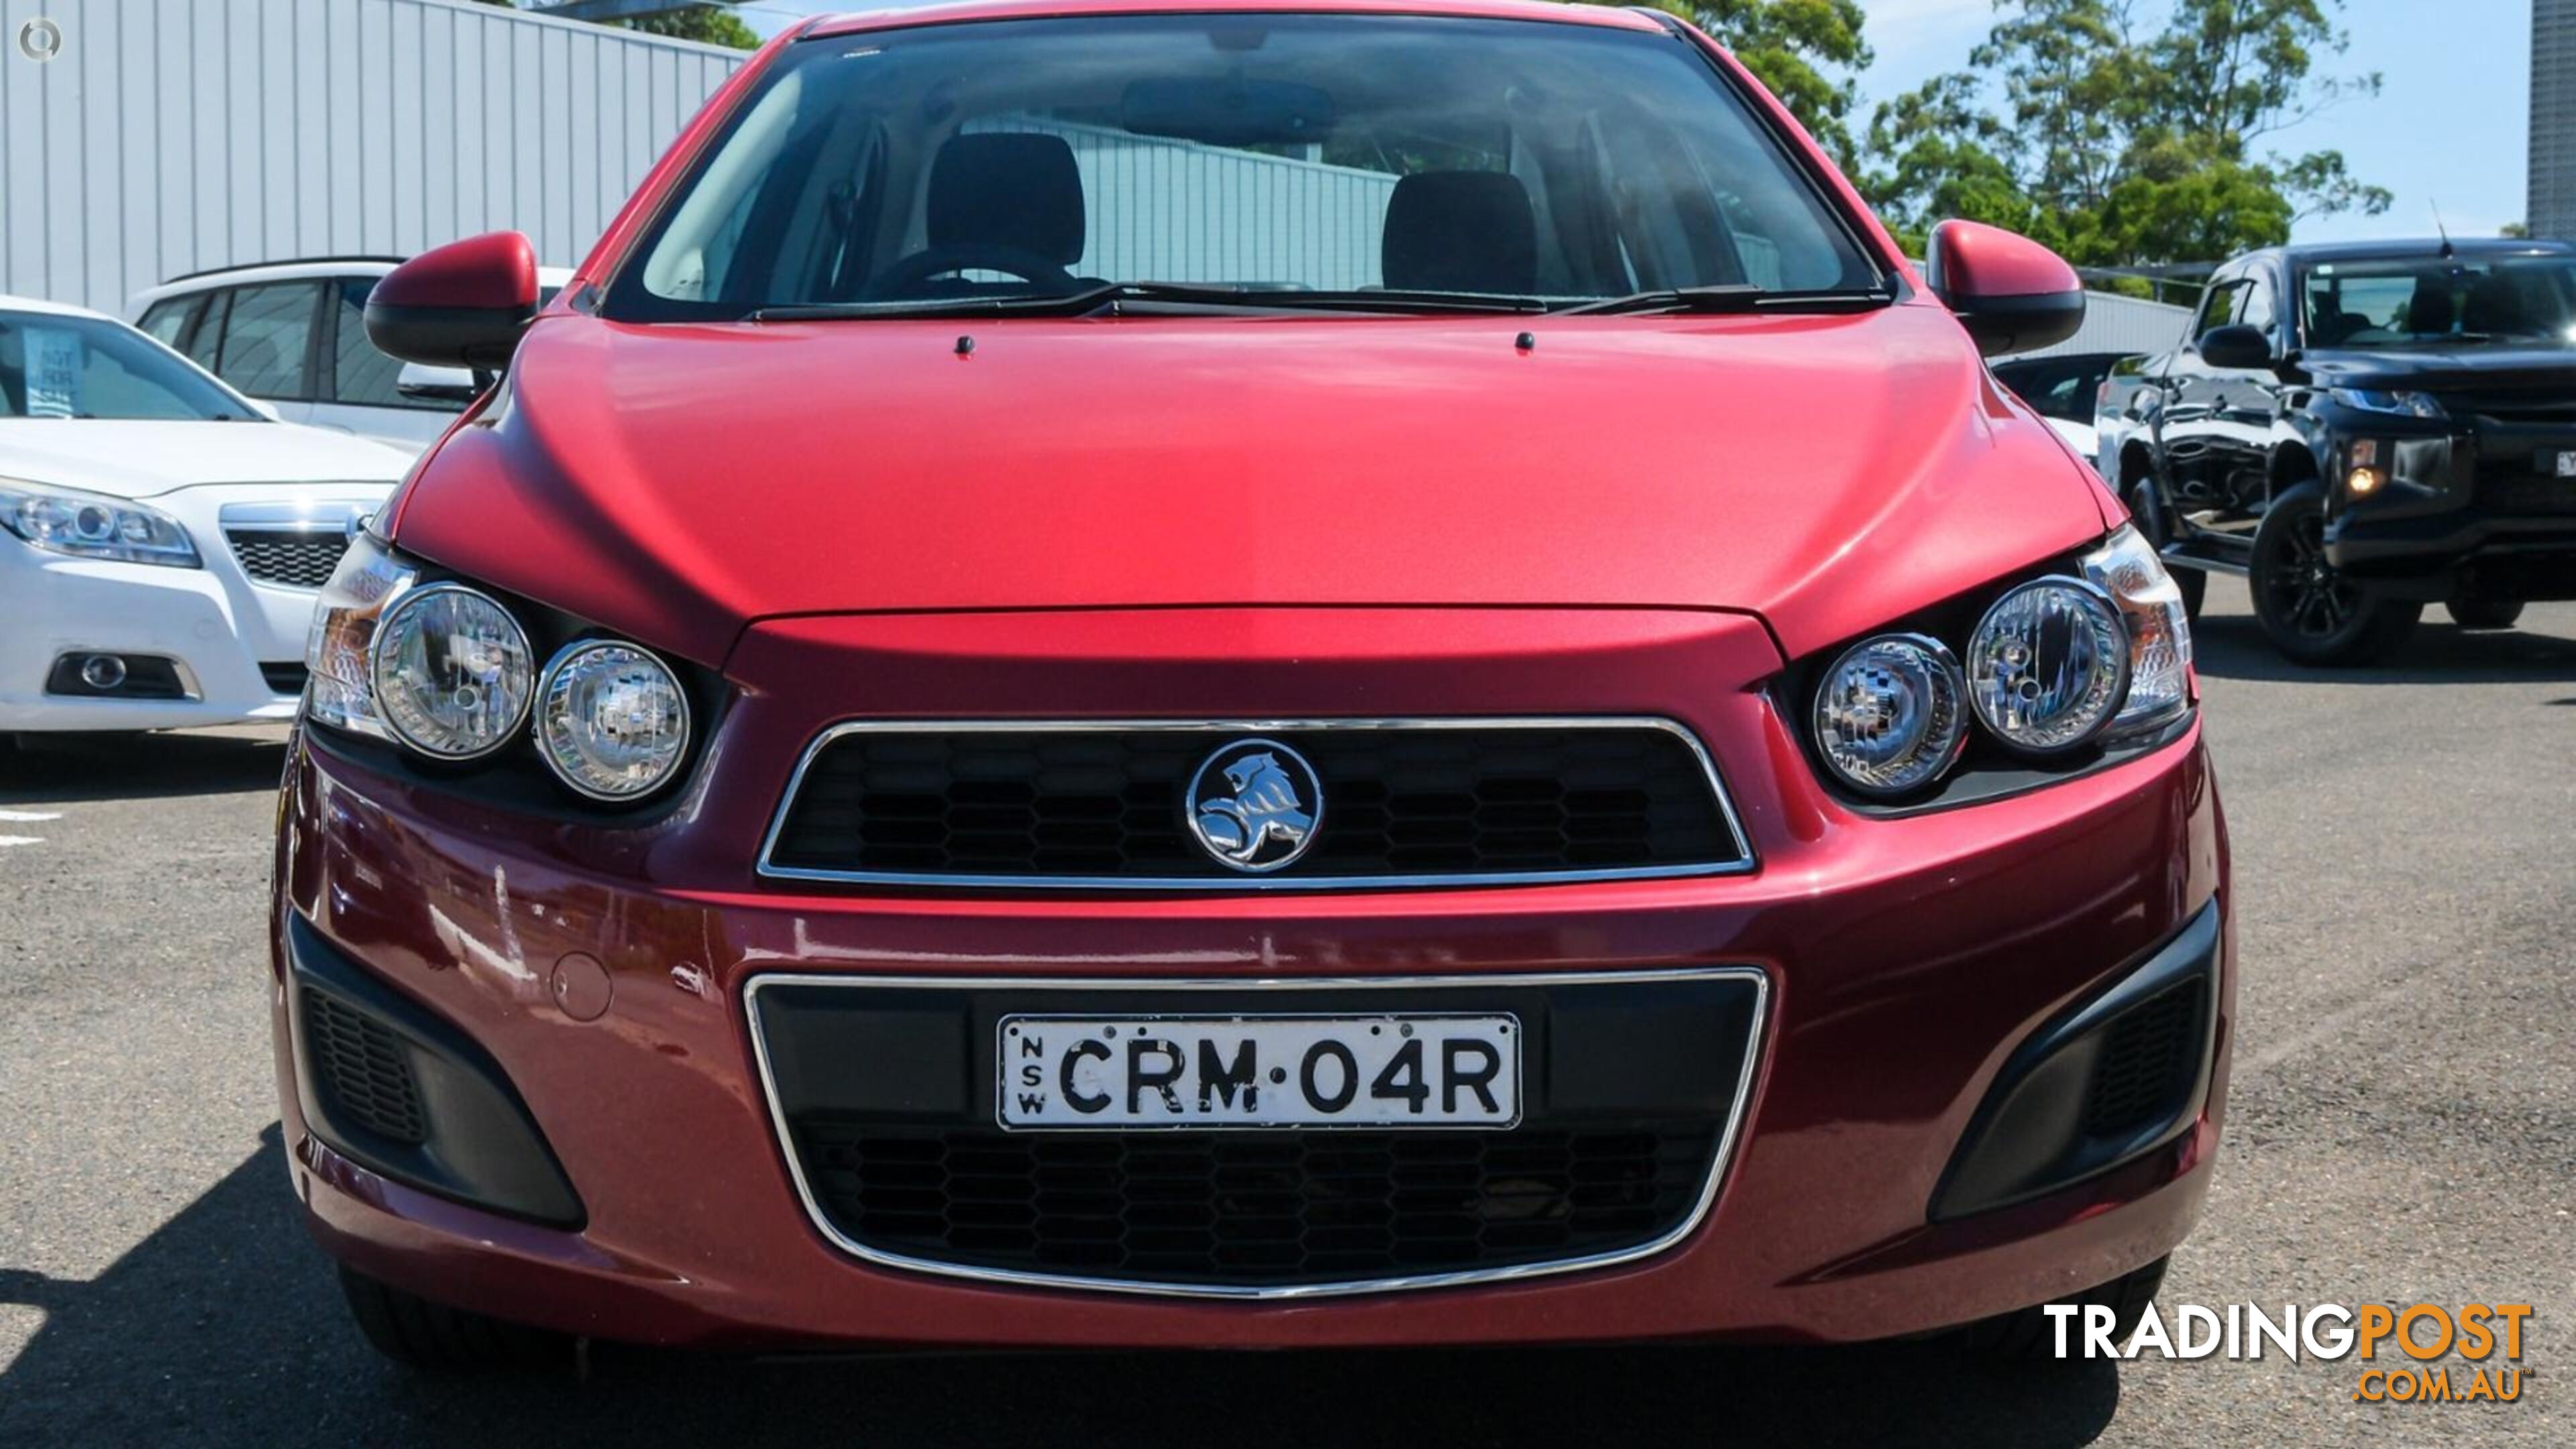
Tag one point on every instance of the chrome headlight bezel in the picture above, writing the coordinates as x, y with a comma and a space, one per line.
2126, 568
395, 700
76, 523
1992, 651
560, 752
1938, 743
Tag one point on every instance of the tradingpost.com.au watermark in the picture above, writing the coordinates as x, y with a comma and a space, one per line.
2439, 1355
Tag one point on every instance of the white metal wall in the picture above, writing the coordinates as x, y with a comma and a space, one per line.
173, 136
2113, 323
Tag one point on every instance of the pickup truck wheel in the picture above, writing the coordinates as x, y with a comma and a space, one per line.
2148, 512
2477, 613
416, 1333
2308, 609
2029, 1333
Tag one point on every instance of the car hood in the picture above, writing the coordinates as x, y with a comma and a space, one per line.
678, 482
134, 459
2446, 369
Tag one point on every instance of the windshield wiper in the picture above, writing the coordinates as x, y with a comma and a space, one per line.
1731, 297
1111, 297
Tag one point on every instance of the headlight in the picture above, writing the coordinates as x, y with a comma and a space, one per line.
336, 647
2402, 404
84, 525
2150, 603
612, 720
2048, 666
1888, 719
452, 672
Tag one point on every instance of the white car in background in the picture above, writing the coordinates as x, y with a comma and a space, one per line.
162, 537
293, 335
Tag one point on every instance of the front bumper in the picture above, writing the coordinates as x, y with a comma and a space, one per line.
215, 623
1905, 963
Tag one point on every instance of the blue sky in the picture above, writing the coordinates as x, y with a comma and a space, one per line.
2451, 128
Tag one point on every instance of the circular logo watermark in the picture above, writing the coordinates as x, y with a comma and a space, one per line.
40, 40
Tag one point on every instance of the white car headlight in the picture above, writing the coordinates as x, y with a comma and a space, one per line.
612, 720
85, 525
2048, 665
1888, 716
452, 671
2150, 604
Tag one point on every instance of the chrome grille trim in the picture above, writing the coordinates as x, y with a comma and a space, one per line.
1744, 862
1729, 1131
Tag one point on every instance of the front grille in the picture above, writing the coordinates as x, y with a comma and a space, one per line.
2149, 1062
365, 1068
1072, 804
2521, 488
1254, 1209
295, 559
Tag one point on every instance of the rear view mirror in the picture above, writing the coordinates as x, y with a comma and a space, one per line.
462, 305
2011, 293
2237, 347
1228, 111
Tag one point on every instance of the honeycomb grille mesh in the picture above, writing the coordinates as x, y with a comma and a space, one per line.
365, 1068
1462, 800
2149, 1062
1255, 1209
295, 559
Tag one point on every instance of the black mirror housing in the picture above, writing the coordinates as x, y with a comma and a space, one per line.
2236, 346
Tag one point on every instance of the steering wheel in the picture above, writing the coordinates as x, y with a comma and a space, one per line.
909, 272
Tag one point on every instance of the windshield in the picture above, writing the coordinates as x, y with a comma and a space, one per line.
2437, 301
59, 365
1291, 157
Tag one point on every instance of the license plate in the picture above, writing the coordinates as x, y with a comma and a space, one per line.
1130, 1072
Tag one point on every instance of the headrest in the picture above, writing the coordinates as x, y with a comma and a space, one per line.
1461, 231
1008, 190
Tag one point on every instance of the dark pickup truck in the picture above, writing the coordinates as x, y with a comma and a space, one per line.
2362, 429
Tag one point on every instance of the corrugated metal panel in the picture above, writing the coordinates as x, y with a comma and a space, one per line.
174, 136
2114, 323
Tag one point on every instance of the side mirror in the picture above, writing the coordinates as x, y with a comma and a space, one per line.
2011, 293
436, 384
462, 305
2236, 347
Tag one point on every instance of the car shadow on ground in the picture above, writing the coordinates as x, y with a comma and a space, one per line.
2232, 646
225, 1326
45, 769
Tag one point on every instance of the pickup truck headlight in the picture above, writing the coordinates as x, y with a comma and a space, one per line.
85, 525
2398, 404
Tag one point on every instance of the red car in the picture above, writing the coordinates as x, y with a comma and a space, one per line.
1197, 673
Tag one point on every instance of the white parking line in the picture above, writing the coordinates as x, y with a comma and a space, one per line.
9, 840
29, 817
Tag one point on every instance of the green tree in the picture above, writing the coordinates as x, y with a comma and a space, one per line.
711, 24
1809, 53
2117, 146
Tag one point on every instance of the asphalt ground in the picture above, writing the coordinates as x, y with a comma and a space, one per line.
2403, 1129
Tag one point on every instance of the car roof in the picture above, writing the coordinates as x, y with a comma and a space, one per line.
297, 269
2393, 248
10, 303
944, 12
